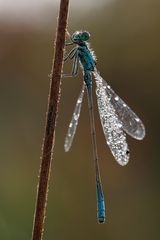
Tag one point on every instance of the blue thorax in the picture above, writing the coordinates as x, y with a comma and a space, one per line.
87, 61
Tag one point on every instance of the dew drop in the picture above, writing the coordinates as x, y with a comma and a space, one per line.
137, 119
116, 98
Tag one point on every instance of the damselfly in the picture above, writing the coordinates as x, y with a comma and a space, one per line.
116, 117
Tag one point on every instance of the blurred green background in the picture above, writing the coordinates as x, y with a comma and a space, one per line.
125, 36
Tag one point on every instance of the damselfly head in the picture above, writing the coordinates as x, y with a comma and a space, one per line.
79, 37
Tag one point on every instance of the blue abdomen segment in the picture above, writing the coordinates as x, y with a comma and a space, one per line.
88, 78
101, 204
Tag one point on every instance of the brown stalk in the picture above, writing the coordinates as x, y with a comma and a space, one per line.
51, 117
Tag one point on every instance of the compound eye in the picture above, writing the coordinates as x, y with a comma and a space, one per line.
85, 36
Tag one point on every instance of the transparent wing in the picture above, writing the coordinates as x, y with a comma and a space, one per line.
131, 123
112, 126
74, 122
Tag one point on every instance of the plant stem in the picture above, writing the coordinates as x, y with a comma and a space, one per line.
51, 116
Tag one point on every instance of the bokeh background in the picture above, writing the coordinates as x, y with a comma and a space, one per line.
125, 36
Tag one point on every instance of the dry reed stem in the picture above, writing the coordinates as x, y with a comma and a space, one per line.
51, 116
